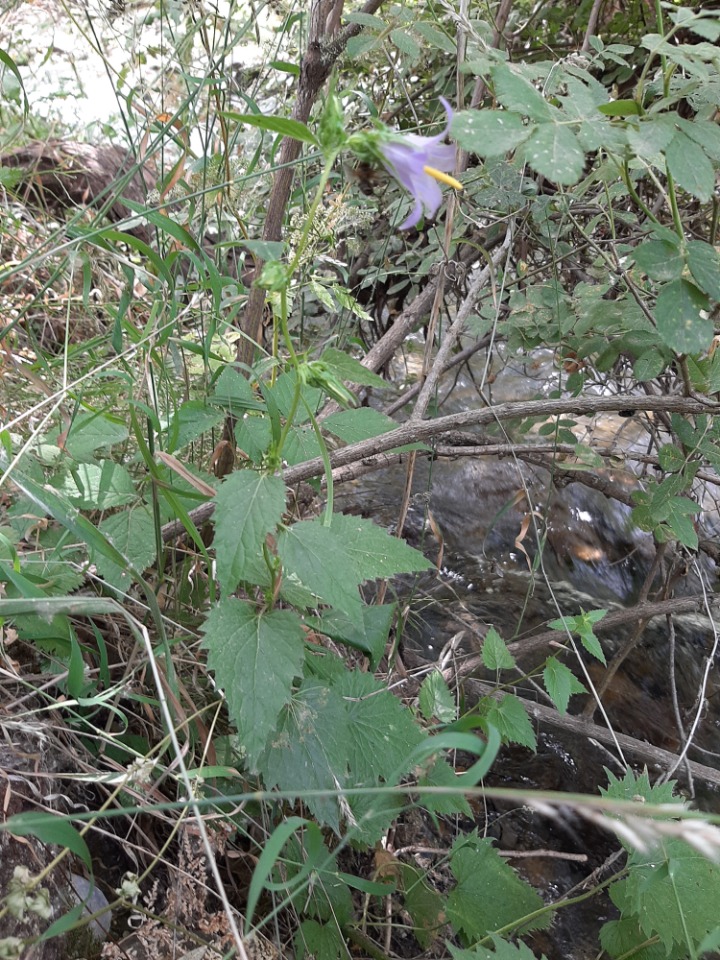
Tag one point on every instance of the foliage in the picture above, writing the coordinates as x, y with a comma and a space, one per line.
186, 474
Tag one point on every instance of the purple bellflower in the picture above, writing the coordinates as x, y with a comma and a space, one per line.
417, 163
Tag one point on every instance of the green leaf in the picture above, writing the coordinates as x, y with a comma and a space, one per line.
369, 635
674, 892
49, 828
351, 426
502, 951
441, 774
518, 94
373, 552
553, 151
92, 486
560, 683
635, 785
677, 312
191, 421
649, 365
348, 368
381, 734
319, 941
234, 392
90, 432
704, 263
489, 894
489, 133
651, 136
132, 534
509, 718
405, 43
495, 654
308, 751
621, 108
435, 699
624, 937
282, 125
316, 558
255, 659
704, 132
10, 64
671, 458
690, 166
435, 37
359, 46
659, 259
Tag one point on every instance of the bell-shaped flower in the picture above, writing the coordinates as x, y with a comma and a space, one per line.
418, 163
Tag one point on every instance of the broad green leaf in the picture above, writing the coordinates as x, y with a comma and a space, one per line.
90, 432
690, 166
315, 557
435, 37
348, 368
502, 950
373, 552
249, 506
624, 937
308, 750
49, 828
495, 654
703, 132
191, 421
266, 249
649, 365
7, 61
351, 426
509, 718
553, 151
659, 260
489, 133
435, 699
679, 321
518, 94
234, 392
301, 445
674, 891
671, 458
364, 19
319, 941
704, 263
651, 136
281, 125
369, 635
92, 486
424, 904
638, 785
359, 46
560, 683
441, 774
405, 43
283, 393
489, 894
255, 659
381, 735
132, 534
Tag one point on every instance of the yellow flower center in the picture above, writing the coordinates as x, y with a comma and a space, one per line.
443, 178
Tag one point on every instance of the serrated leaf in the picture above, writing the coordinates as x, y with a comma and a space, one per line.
319, 941
674, 892
315, 557
649, 365
358, 46
690, 166
90, 432
553, 151
510, 719
495, 654
489, 133
348, 368
255, 659
441, 774
308, 749
502, 951
249, 506
704, 263
369, 635
516, 93
435, 698
560, 683
132, 533
621, 108
650, 137
373, 552
351, 426
671, 458
623, 937
679, 323
92, 486
704, 132
659, 259
382, 734
405, 43
425, 905
489, 894
435, 37
233, 391
638, 785
191, 421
